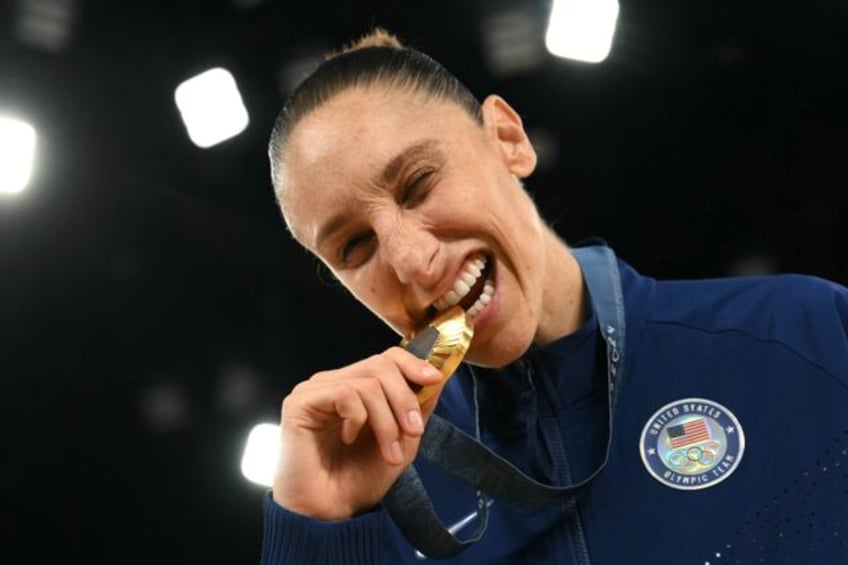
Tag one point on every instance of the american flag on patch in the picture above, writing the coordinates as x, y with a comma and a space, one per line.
688, 433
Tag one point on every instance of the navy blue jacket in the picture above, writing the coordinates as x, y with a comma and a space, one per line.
761, 357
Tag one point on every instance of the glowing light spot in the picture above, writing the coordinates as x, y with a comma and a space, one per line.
211, 107
260, 454
17, 154
582, 29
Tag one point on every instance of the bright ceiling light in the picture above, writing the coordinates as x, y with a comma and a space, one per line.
260, 454
582, 29
211, 107
17, 153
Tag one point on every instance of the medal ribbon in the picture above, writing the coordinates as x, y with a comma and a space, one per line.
462, 456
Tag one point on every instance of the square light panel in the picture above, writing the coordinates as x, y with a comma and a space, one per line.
211, 107
582, 29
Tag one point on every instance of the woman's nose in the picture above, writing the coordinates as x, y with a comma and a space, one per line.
411, 252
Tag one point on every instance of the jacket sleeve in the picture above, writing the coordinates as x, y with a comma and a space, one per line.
819, 324
841, 314
293, 538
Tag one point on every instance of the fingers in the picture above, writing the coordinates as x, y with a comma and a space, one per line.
419, 373
382, 420
374, 392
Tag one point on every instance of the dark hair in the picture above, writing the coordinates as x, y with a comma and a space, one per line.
377, 58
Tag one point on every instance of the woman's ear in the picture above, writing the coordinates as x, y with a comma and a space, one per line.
504, 127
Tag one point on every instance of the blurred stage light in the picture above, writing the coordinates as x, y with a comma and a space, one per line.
260, 454
247, 4
211, 107
582, 29
752, 263
17, 154
238, 389
546, 144
164, 407
299, 64
45, 24
511, 42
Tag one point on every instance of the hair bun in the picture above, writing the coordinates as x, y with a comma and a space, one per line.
377, 37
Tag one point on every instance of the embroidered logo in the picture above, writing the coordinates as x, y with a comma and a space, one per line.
692, 444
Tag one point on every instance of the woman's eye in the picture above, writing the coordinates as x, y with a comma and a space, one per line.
413, 191
354, 247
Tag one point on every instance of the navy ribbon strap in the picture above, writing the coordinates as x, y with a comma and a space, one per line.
460, 455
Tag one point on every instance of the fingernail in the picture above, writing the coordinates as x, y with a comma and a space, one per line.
431, 371
415, 422
397, 452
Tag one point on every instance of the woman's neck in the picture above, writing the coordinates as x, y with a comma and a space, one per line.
564, 298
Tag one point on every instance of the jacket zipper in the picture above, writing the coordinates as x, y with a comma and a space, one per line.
550, 428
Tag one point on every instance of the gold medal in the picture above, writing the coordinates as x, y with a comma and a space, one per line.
443, 342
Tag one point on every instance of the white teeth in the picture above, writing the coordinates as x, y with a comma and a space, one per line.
483, 301
447, 300
462, 286
488, 291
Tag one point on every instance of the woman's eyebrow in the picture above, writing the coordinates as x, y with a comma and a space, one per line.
332, 226
394, 167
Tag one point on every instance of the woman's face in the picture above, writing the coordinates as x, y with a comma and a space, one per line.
414, 206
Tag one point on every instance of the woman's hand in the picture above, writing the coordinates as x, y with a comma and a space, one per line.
347, 434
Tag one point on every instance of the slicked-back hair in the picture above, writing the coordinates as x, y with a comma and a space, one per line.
377, 59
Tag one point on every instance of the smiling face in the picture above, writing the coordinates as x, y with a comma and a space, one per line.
415, 206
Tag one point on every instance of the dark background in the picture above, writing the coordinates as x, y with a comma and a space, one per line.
153, 307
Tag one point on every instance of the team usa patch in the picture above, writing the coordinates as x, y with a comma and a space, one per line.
692, 444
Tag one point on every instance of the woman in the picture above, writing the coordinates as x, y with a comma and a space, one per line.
409, 190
